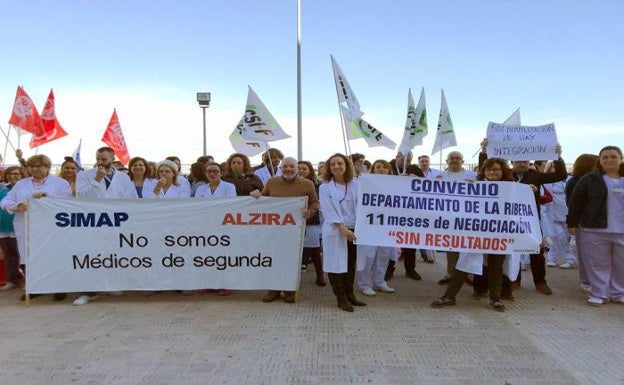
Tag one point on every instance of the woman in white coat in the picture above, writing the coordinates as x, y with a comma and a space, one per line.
168, 185
377, 257
215, 187
338, 199
41, 184
141, 176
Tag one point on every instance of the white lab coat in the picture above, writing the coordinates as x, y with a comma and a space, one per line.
334, 243
224, 189
173, 191
264, 174
120, 187
22, 191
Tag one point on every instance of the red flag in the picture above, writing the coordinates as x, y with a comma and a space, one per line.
115, 139
25, 115
51, 127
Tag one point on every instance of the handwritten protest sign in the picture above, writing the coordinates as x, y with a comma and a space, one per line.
164, 244
488, 217
513, 142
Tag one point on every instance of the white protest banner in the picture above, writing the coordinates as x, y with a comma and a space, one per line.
515, 142
488, 217
164, 244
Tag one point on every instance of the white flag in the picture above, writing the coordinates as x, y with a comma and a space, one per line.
258, 124
360, 128
415, 124
248, 147
513, 119
76, 156
445, 136
345, 93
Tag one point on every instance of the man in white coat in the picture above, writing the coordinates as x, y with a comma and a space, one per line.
454, 173
104, 182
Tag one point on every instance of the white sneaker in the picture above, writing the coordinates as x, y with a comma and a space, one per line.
385, 288
567, 265
8, 286
551, 264
368, 291
593, 301
586, 287
83, 300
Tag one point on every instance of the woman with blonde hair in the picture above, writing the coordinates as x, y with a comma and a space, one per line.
167, 185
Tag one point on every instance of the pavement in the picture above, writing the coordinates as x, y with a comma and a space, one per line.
169, 338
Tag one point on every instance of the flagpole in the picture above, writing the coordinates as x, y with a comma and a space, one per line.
299, 120
7, 143
268, 154
344, 129
441, 159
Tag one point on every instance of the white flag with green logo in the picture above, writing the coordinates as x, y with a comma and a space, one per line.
345, 93
415, 124
360, 128
445, 136
258, 124
248, 147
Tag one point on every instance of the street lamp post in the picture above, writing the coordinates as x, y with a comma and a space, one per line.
203, 98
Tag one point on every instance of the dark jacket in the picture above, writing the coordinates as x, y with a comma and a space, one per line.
412, 169
537, 178
244, 184
569, 187
316, 218
588, 203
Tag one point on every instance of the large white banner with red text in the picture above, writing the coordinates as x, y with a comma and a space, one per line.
479, 217
242, 243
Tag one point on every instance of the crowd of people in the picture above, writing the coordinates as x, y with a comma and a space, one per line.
581, 215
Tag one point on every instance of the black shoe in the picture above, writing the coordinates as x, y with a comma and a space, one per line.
413, 275
497, 305
354, 301
346, 306
23, 297
443, 302
444, 281
59, 296
508, 297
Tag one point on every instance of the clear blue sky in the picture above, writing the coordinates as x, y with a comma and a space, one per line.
559, 61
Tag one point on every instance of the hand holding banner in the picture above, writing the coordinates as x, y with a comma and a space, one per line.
515, 142
81, 245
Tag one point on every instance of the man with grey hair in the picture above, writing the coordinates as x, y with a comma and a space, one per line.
289, 184
455, 172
